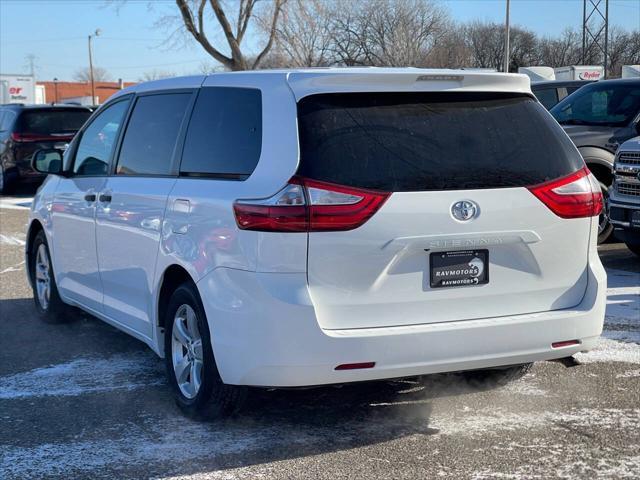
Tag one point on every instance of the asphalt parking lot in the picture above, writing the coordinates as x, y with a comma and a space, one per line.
82, 400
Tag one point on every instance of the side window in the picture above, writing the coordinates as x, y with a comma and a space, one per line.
151, 135
548, 97
98, 140
224, 137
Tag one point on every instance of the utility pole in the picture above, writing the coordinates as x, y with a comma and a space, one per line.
93, 85
55, 87
31, 61
506, 42
595, 25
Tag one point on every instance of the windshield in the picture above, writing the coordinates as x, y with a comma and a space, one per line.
603, 103
48, 122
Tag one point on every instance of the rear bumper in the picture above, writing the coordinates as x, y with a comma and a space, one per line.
265, 333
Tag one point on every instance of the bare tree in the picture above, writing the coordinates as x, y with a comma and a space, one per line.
486, 44
348, 45
624, 49
524, 49
99, 75
452, 50
562, 50
304, 34
195, 14
401, 32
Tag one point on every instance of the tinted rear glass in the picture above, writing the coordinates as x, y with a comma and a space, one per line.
547, 96
224, 137
152, 133
431, 141
47, 122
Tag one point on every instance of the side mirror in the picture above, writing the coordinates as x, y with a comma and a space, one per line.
47, 161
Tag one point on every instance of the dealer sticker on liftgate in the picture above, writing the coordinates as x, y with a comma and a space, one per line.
459, 269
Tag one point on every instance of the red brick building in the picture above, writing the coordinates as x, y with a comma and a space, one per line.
80, 91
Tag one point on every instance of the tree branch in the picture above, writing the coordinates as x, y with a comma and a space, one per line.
198, 32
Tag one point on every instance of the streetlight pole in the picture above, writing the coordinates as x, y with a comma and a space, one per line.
55, 88
93, 85
506, 42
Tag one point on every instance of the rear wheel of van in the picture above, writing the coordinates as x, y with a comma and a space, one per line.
191, 367
45, 291
496, 377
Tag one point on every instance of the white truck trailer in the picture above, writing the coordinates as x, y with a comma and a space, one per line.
579, 72
17, 88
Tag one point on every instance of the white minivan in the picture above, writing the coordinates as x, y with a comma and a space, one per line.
310, 227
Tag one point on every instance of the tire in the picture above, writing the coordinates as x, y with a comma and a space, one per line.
45, 290
605, 229
497, 377
634, 247
4, 184
197, 388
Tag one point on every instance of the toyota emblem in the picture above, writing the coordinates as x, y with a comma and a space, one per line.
464, 210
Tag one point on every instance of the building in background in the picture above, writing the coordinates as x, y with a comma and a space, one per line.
80, 92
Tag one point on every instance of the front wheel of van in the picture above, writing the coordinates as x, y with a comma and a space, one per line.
45, 291
190, 363
496, 377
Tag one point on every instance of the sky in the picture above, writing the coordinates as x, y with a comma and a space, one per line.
132, 43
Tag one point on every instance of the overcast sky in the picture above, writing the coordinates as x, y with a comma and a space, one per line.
131, 43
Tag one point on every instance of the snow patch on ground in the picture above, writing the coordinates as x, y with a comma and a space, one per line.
11, 240
629, 374
500, 420
175, 440
611, 351
15, 268
82, 376
524, 386
16, 203
620, 340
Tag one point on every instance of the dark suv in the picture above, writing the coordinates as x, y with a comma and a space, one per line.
25, 129
598, 118
551, 92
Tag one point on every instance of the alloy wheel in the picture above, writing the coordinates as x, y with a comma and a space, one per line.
186, 351
43, 276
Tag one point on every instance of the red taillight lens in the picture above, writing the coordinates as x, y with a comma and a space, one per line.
38, 137
309, 206
575, 196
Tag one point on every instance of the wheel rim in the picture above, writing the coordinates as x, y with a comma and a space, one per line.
186, 351
603, 219
43, 276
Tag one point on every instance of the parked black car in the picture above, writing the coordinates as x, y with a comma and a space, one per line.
599, 117
551, 92
27, 128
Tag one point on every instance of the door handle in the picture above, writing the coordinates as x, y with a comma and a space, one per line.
90, 197
105, 197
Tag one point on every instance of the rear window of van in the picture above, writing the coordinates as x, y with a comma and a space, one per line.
431, 141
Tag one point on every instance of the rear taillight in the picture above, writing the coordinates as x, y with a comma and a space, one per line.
38, 137
305, 205
574, 196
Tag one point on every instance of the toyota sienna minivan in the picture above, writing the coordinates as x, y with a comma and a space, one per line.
311, 227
